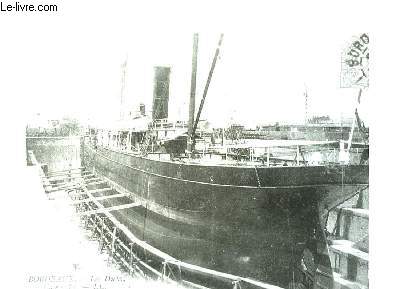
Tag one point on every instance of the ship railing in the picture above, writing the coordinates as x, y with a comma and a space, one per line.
163, 124
290, 155
160, 123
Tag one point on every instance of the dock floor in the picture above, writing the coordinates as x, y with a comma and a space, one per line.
51, 249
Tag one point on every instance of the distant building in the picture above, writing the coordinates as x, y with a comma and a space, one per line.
40, 125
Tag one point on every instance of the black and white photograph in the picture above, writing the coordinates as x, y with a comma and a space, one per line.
188, 144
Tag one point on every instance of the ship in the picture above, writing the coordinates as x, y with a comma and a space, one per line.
259, 216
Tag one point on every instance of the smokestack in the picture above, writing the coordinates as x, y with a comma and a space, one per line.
161, 92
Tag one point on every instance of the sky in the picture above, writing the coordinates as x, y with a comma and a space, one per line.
69, 62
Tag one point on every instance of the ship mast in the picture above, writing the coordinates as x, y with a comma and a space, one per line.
192, 101
305, 106
206, 88
122, 100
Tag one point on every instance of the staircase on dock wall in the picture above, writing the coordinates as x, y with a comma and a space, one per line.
348, 235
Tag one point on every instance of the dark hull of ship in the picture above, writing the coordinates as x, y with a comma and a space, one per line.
249, 221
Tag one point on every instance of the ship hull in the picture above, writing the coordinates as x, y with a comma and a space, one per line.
249, 221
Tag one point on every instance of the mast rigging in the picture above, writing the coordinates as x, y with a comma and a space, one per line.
206, 88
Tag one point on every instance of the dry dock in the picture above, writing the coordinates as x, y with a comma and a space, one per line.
59, 252
78, 188
70, 240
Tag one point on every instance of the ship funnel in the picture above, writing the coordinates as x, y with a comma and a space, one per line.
161, 92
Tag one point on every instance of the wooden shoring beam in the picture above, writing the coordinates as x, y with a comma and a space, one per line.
109, 209
73, 179
83, 192
63, 177
72, 174
131, 237
97, 191
63, 185
81, 177
92, 179
89, 176
66, 170
88, 180
69, 173
96, 183
87, 173
63, 188
98, 198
